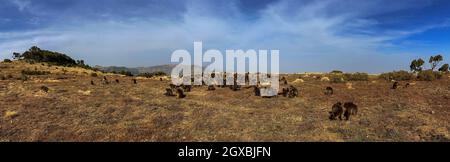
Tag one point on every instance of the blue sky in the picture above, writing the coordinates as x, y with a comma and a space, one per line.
312, 35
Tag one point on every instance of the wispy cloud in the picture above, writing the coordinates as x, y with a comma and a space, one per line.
311, 35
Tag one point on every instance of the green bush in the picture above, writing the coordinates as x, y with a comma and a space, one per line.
429, 75
7, 60
397, 75
336, 79
356, 77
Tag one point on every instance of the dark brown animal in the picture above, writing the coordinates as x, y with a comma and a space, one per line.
211, 88
134, 81
92, 82
169, 92
395, 85
180, 93
257, 91
160, 79
329, 91
293, 92
44, 88
336, 111
117, 81
186, 88
407, 85
350, 109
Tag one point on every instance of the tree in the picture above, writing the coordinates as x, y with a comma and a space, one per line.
416, 65
444, 68
16, 55
434, 61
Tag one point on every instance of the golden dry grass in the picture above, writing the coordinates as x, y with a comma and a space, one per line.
75, 110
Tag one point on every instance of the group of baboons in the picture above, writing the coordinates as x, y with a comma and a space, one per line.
106, 81
338, 109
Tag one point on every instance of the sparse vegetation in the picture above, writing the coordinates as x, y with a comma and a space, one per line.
94, 75
429, 75
34, 72
75, 110
397, 75
336, 79
356, 77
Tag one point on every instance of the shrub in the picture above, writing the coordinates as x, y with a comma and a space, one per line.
429, 75
356, 77
7, 60
336, 79
9, 76
3, 77
397, 75
444, 68
94, 75
35, 72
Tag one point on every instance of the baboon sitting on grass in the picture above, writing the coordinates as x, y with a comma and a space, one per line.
180, 93
92, 82
117, 80
257, 91
134, 81
395, 85
329, 91
336, 111
211, 88
169, 92
350, 109
44, 88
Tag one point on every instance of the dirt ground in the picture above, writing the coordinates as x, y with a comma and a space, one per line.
75, 110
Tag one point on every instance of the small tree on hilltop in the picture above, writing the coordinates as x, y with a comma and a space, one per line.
434, 61
416, 65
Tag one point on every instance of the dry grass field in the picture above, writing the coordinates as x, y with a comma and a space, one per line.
75, 110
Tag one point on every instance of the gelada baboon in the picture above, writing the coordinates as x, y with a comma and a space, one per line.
350, 109
92, 82
180, 93
284, 92
257, 91
117, 80
105, 80
395, 85
336, 111
186, 88
134, 81
293, 92
160, 79
211, 88
407, 85
329, 91
44, 88
169, 92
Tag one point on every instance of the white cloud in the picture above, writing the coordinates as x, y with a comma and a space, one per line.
309, 38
